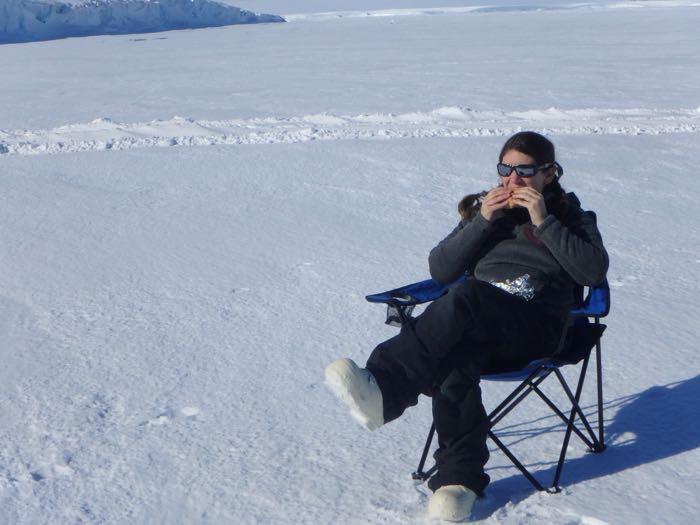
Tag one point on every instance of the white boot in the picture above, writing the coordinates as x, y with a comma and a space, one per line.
451, 503
358, 389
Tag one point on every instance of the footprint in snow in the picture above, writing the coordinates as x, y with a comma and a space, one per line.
189, 411
161, 419
48, 471
618, 282
169, 414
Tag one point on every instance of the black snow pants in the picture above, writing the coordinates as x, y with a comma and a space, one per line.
474, 329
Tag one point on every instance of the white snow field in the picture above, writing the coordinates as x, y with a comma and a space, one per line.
31, 20
190, 221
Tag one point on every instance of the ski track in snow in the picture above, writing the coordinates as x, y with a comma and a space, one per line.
422, 11
448, 122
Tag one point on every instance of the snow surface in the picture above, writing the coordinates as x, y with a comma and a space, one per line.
322, 9
30, 20
104, 134
166, 312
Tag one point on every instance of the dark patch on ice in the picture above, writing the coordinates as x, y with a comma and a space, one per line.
37, 476
100, 409
89, 513
145, 39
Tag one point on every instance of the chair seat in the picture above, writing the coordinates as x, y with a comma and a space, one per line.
520, 373
581, 337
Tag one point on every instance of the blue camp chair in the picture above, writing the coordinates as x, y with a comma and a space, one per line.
578, 339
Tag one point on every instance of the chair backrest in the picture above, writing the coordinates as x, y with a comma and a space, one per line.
581, 336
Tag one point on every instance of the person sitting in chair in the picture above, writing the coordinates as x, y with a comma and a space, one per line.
526, 245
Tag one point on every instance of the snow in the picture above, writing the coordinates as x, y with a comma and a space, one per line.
190, 222
30, 20
105, 134
318, 9
488, 8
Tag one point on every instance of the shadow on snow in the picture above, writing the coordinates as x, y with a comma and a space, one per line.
657, 423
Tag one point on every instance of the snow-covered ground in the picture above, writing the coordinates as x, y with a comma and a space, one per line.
166, 309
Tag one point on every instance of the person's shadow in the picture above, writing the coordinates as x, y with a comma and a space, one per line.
659, 422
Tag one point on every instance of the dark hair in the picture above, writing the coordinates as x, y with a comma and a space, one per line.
532, 144
539, 148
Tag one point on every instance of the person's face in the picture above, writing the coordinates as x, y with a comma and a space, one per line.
513, 181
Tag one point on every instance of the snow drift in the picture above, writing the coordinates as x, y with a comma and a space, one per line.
31, 20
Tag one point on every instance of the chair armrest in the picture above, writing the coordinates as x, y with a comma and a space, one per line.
412, 294
596, 304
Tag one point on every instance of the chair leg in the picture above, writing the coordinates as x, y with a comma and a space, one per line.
599, 373
419, 474
564, 418
575, 410
520, 393
525, 472
575, 406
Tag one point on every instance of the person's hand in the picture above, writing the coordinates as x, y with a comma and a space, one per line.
533, 201
494, 203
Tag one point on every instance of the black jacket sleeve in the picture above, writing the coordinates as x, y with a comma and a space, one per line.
456, 252
576, 245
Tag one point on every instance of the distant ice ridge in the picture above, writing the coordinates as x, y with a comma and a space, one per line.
517, 6
446, 122
31, 20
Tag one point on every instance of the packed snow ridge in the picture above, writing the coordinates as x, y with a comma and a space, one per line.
444, 122
31, 20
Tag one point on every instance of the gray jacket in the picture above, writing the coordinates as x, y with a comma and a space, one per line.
557, 255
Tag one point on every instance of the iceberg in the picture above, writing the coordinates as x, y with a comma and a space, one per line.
32, 20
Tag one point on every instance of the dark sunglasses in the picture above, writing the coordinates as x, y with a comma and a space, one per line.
527, 170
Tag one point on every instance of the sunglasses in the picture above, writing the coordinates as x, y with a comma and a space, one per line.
526, 170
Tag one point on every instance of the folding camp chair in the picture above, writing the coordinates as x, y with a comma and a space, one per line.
578, 339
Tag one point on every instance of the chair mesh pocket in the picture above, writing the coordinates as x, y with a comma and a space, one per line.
393, 317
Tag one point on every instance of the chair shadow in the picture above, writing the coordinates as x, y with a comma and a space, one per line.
657, 423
